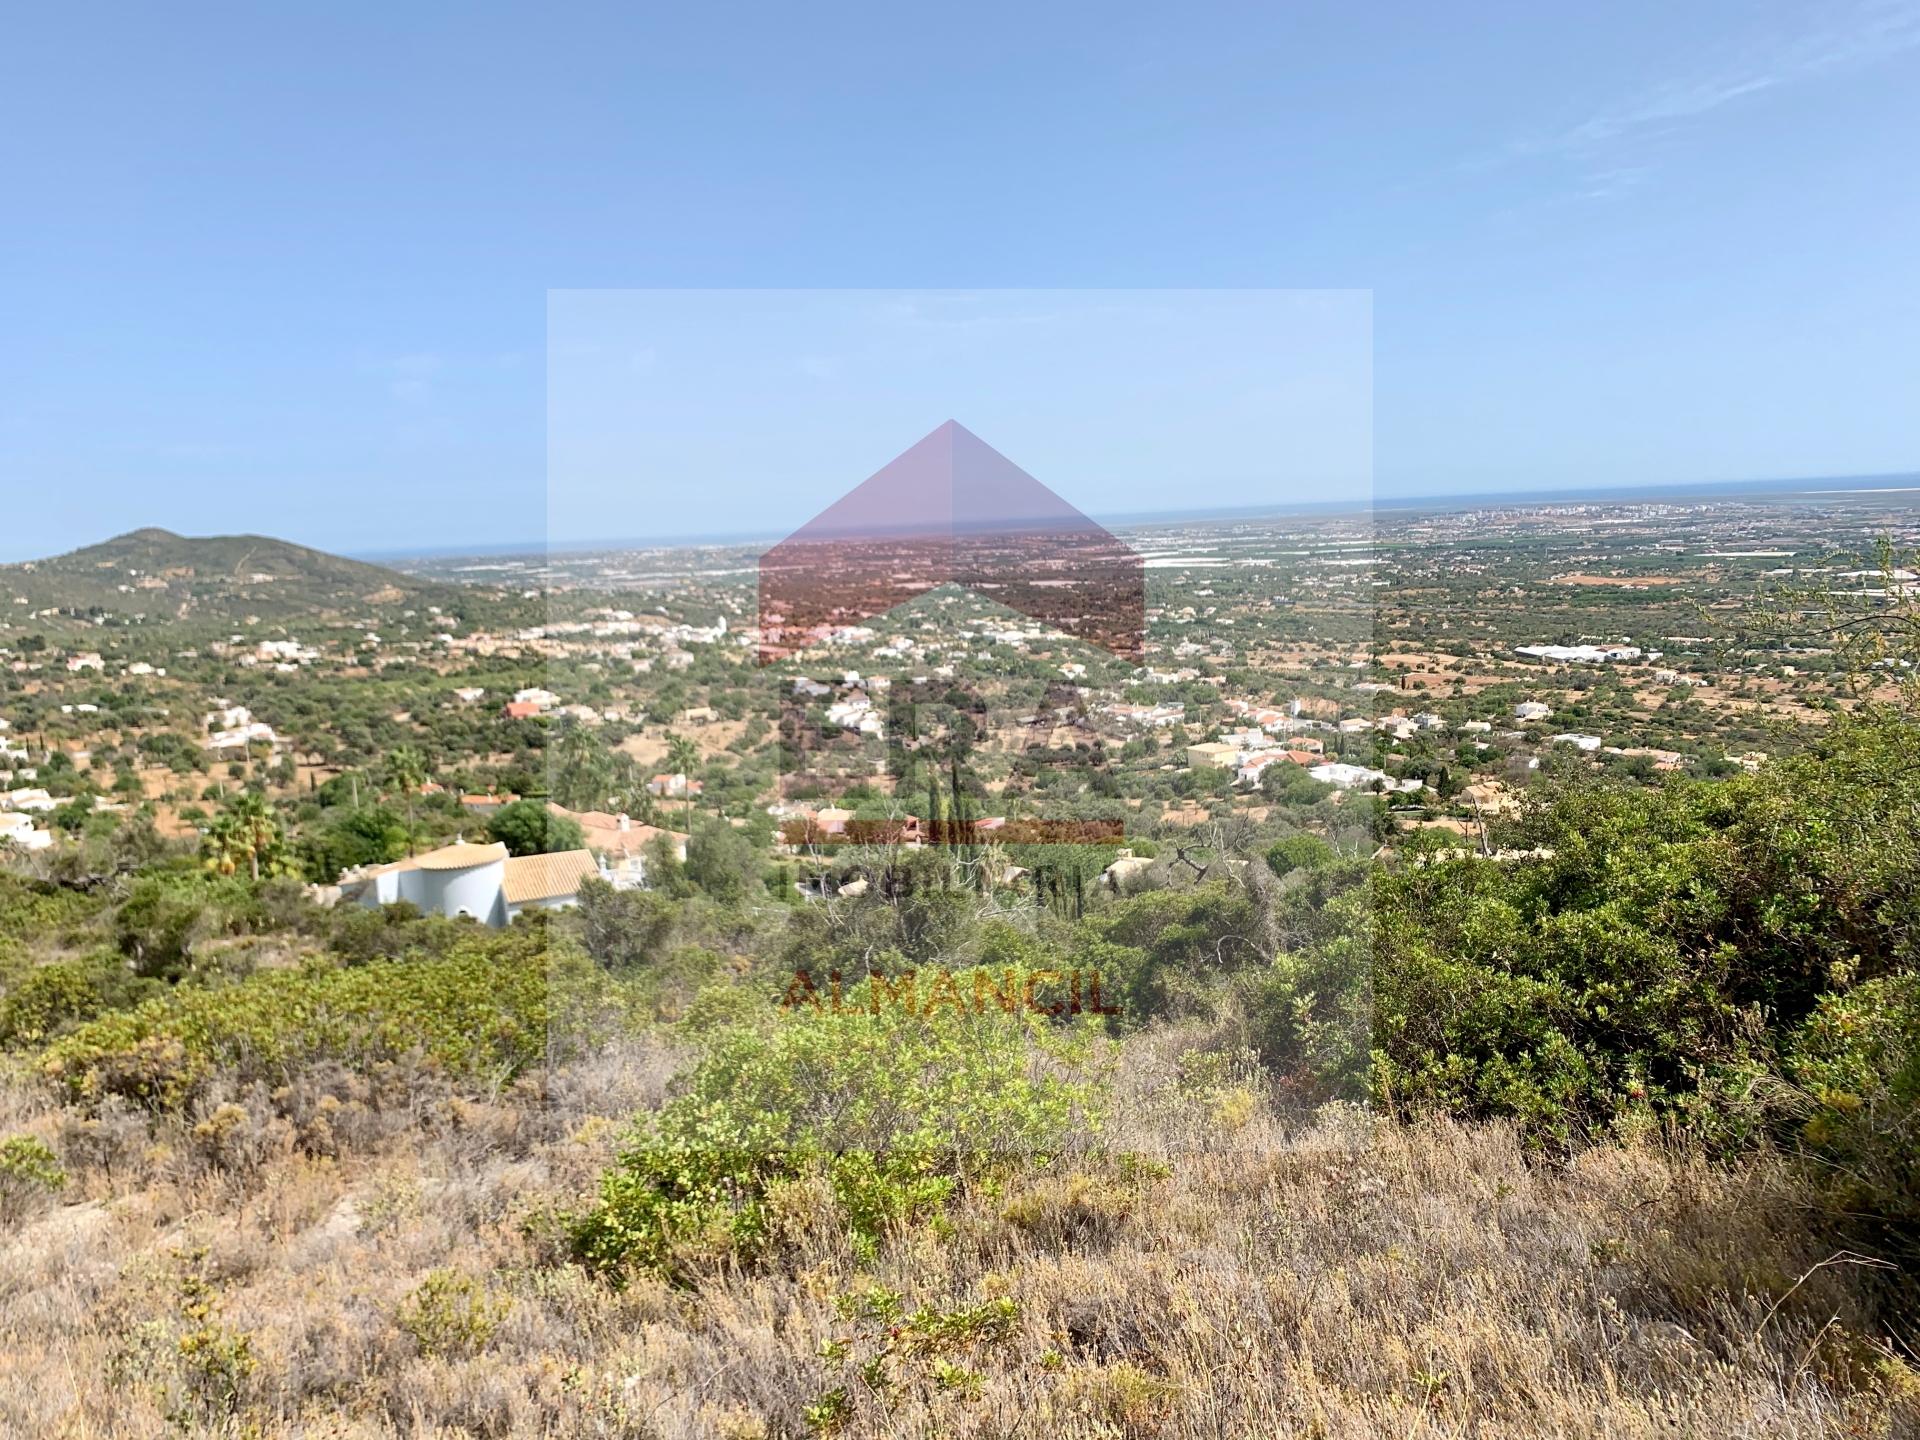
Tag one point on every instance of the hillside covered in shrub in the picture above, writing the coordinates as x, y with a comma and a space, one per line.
1609, 1130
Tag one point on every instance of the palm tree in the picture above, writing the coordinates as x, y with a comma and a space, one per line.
583, 771
682, 758
259, 829
406, 770
221, 844
246, 831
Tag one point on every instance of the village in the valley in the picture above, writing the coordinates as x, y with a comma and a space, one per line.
1380, 679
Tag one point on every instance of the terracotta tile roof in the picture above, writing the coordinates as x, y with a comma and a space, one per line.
586, 819
602, 831
461, 857
548, 877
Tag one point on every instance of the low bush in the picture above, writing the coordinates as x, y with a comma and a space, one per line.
894, 1109
451, 1314
170, 913
1856, 1062
48, 1000
482, 1011
29, 1173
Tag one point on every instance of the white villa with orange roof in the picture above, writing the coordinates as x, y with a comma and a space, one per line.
482, 882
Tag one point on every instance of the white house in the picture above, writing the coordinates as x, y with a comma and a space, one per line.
1579, 654
1351, 777
1125, 866
1581, 742
673, 787
480, 881
18, 830
255, 733
1531, 710
1253, 769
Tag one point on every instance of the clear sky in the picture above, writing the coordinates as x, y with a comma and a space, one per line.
289, 272
1120, 401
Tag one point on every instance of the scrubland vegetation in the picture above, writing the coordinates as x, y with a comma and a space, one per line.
1614, 1139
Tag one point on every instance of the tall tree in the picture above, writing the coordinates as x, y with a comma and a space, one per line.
246, 834
683, 757
583, 772
406, 771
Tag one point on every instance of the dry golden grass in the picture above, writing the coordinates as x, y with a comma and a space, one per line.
368, 1260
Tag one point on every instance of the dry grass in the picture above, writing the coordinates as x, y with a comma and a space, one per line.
350, 1262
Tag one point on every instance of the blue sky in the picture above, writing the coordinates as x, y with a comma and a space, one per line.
290, 272
1122, 401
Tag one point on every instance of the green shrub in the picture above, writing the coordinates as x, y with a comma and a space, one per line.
1652, 962
450, 1313
891, 1354
29, 1172
167, 914
1299, 851
1857, 1061
892, 1109
50, 999
37, 910
1166, 953
483, 1010
528, 827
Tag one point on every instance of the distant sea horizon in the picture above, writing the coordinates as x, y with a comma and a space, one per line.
1889, 486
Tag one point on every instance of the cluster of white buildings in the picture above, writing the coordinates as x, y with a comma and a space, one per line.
1249, 752
1343, 776
1583, 654
286, 656
1162, 716
232, 727
854, 709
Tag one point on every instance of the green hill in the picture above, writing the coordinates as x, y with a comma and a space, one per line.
164, 576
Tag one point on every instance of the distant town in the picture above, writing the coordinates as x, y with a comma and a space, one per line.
1374, 679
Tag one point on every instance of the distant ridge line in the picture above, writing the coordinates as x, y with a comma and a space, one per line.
1864, 486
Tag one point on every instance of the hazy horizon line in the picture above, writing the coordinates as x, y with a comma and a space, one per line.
1398, 503
1395, 502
